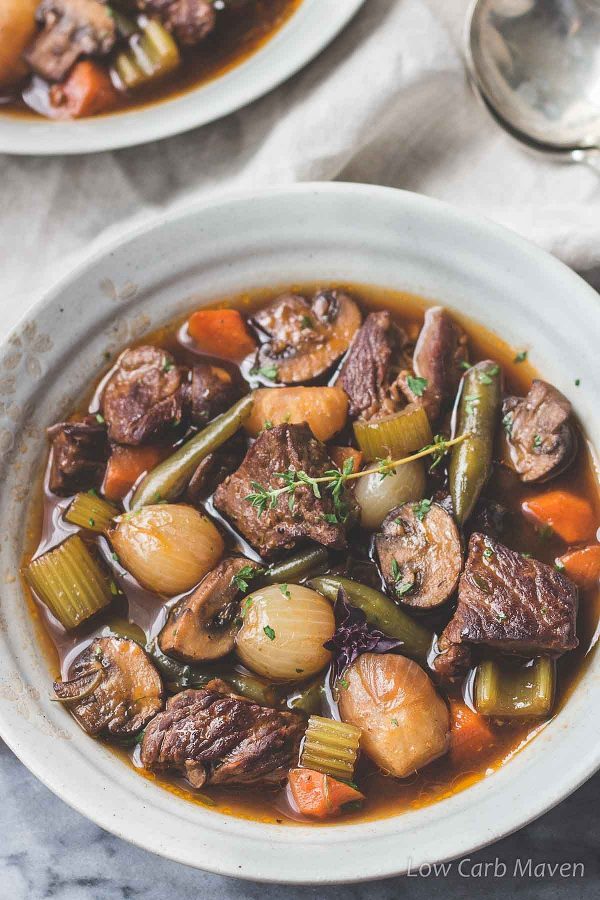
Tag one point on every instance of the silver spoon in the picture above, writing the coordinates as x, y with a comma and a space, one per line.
536, 66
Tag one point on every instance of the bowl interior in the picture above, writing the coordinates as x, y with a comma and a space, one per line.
329, 232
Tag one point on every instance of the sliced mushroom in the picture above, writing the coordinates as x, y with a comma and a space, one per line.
306, 339
71, 28
540, 433
202, 626
114, 689
420, 554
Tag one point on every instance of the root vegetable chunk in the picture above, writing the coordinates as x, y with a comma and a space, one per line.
405, 724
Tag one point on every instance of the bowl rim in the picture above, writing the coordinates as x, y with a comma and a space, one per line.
456, 844
308, 31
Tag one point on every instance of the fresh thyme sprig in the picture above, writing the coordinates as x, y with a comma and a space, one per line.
264, 498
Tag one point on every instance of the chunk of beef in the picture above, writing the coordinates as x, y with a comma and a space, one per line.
144, 395
201, 626
215, 468
292, 519
369, 371
540, 432
71, 28
511, 603
210, 392
79, 455
113, 690
306, 339
420, 554
439, 352
190, 21
214, 737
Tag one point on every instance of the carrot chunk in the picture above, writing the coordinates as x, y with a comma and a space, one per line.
583, 566
339, 455
570, 516
87, 91
221, 332
469, 733
320, 796
125, 466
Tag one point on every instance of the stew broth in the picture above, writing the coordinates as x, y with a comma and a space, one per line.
385, 796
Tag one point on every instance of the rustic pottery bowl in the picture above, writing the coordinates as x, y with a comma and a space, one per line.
309, 232
310, 29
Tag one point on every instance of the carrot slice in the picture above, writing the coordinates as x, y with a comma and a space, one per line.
125, 466
320, 796
583, 566
87, 91
570, 516
469, 732
339, 455
221, 332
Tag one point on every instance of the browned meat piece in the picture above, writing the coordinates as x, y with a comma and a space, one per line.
202, 626
214, 737
420, 554
540, 432
287, 523
79, 455
439, 352
190, 21
367, 375
143, 396
306, 339
71, 28
511, 603
113, 690
215, 468
210, 393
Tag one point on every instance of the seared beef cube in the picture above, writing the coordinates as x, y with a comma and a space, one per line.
439, 352
144, 396
293, 518
79, 455
540, 432
72, 28
190, 21
511, 603
210, 393
366, 375
214, 737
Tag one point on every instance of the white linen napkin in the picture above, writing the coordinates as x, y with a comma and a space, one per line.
387, 103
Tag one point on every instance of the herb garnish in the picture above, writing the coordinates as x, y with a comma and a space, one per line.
537, 441
421, 509
307, 322
521, 356
465, 365
285, 591
577, 382
245, 575
100, 419
401, 587
507, 423
488, 377
417, 385
470, 403
269, 632
271, 372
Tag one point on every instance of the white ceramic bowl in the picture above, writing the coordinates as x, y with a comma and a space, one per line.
310, 232
307, 32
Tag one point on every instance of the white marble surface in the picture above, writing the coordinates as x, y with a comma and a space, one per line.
49, 851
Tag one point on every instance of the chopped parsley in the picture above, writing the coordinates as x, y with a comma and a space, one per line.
501, 616
559, 565
465, 365
244, 576
307, 322
507, 423
488, 552
100, 419
488, 377
537, 441
168, 366
270, 372
269, 632
113, 588
417, 385
421, 509
91, 522
577, 382
521, 356
115, 557
394, 722
470, 404
93, 492
401, 587
343, 683
285, 591
267, 425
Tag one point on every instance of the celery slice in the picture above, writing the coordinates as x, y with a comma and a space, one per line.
330, 747
394, 436
92, 512
507, 691
150, 56
70, 582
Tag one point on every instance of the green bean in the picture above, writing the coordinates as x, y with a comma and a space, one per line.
169, 478
380, 612
507, 691
296, 567
174, 673
471, 460
249, 686
309, 699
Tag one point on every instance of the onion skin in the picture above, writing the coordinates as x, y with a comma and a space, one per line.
168, 548
376, 496
282, 637
405, 724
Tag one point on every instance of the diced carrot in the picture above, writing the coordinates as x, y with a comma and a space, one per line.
125, 466
221, 332
570, 516
320, 796
583, 566
469, 732
87, 91
339, 455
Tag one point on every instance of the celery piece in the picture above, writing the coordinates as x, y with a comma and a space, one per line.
330, 747
509, 691
150, 56
91, 512
394, 436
